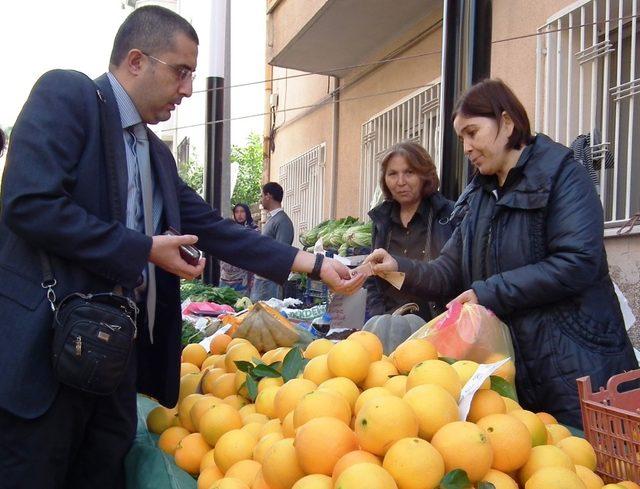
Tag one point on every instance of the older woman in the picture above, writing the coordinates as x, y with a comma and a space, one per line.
530, 248
412, 222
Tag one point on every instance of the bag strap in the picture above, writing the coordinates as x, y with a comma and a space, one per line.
115, 208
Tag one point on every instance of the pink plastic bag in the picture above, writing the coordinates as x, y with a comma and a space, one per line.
207, 309
468, 332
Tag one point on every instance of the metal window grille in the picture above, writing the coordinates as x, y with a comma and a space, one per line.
415, 118
182, 152
587, 82
303, 182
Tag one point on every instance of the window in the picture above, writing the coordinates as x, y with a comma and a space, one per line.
416, 118
182, 152
587, 83
303, 180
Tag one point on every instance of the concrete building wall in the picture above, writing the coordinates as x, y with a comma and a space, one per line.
303, 129
285, 21
406, 77
298, 131
515, 61
624, 265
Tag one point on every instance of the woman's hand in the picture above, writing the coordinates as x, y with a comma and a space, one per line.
467, 296
382, 261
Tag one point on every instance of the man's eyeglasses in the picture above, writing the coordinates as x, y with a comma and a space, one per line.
183, 73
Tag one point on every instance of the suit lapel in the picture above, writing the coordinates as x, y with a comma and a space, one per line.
114, 130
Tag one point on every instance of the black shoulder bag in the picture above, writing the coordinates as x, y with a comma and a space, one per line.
93, 334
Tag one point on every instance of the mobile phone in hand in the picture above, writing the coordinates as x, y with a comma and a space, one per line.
189, 253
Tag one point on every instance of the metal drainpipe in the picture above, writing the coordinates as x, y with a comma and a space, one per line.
215, 111
466, 59
267, 134
335, 136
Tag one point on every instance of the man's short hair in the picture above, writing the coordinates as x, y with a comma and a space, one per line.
274, 189
150, 29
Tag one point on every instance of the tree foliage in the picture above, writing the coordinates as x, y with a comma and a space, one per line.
249, 158
192, 172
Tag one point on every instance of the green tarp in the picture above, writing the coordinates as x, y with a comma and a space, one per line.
148, 467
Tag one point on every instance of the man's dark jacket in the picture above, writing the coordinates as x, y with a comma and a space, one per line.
378, 301
546, 276
54, 198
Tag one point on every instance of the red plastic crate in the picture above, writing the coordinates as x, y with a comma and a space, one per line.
611, 422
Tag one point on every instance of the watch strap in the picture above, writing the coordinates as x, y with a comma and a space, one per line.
315, 273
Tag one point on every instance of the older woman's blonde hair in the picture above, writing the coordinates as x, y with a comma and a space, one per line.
419, 160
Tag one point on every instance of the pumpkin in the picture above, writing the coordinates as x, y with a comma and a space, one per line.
393, 329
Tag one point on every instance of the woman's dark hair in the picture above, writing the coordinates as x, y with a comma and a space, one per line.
419, 160
2, 142
490, 98
150, 29
249, 222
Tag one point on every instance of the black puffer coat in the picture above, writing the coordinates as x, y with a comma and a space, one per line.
545, 275
379, 301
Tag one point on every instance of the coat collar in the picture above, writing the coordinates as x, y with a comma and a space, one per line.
382, 212
539, 164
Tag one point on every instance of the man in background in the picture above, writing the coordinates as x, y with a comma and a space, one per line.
278, 227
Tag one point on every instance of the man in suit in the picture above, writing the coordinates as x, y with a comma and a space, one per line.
55, 198
278, 227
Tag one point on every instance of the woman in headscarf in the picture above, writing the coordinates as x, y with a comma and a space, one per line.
238, 279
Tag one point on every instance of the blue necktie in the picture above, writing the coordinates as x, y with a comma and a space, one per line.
143, 211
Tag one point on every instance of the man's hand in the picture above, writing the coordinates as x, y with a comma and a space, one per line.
165, 253
333, 273
382, 261
467, 296
338, 277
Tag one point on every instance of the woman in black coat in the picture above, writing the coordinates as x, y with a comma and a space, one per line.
530, 248
413, 221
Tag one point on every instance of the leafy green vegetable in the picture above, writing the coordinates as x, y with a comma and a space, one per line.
190, 334
198, 291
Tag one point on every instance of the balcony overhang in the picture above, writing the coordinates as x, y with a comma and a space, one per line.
347, 32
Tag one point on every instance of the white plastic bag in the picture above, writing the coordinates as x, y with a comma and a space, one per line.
627, 313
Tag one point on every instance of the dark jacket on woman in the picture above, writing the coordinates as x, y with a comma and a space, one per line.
533, 253
435, 212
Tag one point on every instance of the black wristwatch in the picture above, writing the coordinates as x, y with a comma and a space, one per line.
315, 273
